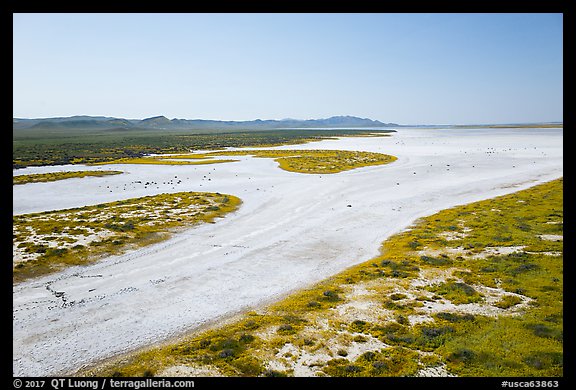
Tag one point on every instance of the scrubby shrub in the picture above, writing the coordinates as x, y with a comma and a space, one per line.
368, 356
358, 326
542, 330
40, 249
226, 344
285, 329
313, 304
435, 261
251, 324
401, 269
246, 338
433, 332
544, 360
397, 296
508, 301
351, 368
226, 353
330, 295
205, 343
457, 292
308, 342
400, 337
379, 367
524, 268
453, 317
342, 368
56, 251
399, 274
248, 365
462, 355
274, 373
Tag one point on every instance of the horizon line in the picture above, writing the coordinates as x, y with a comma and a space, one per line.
293, 119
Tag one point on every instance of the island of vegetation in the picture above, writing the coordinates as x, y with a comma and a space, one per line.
316, 161
54, 176
48, 241
474, 290
300, 161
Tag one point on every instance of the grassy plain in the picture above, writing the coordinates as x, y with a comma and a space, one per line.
48, 241
475, 290
35, 147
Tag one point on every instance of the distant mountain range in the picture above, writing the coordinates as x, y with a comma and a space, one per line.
163, 123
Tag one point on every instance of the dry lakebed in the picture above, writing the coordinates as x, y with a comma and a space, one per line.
290, 230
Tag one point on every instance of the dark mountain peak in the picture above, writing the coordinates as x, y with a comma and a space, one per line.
158, 122
348, 120
118, 122
156, 119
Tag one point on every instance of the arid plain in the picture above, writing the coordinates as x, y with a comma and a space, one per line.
291, 230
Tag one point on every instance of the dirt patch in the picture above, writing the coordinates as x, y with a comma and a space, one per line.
486, 307
466, 253
552, 237
435, 371
452, 236
306, 363
363, 310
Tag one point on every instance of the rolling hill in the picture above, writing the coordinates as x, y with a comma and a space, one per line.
161, 122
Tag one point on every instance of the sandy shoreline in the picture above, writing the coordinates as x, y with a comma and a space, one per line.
292, 230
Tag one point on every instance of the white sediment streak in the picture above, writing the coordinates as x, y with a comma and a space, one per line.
292, 230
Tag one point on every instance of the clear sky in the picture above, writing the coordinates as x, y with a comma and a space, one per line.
403, 68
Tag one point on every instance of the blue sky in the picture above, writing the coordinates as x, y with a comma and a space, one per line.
403, 68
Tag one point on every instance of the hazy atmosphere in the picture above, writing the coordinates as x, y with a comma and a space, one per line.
402, 68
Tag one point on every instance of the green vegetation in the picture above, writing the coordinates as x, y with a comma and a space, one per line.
451, 304
51, 146
315, 161
54, 176
456, 292
301, 161
47, 241
508, 301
